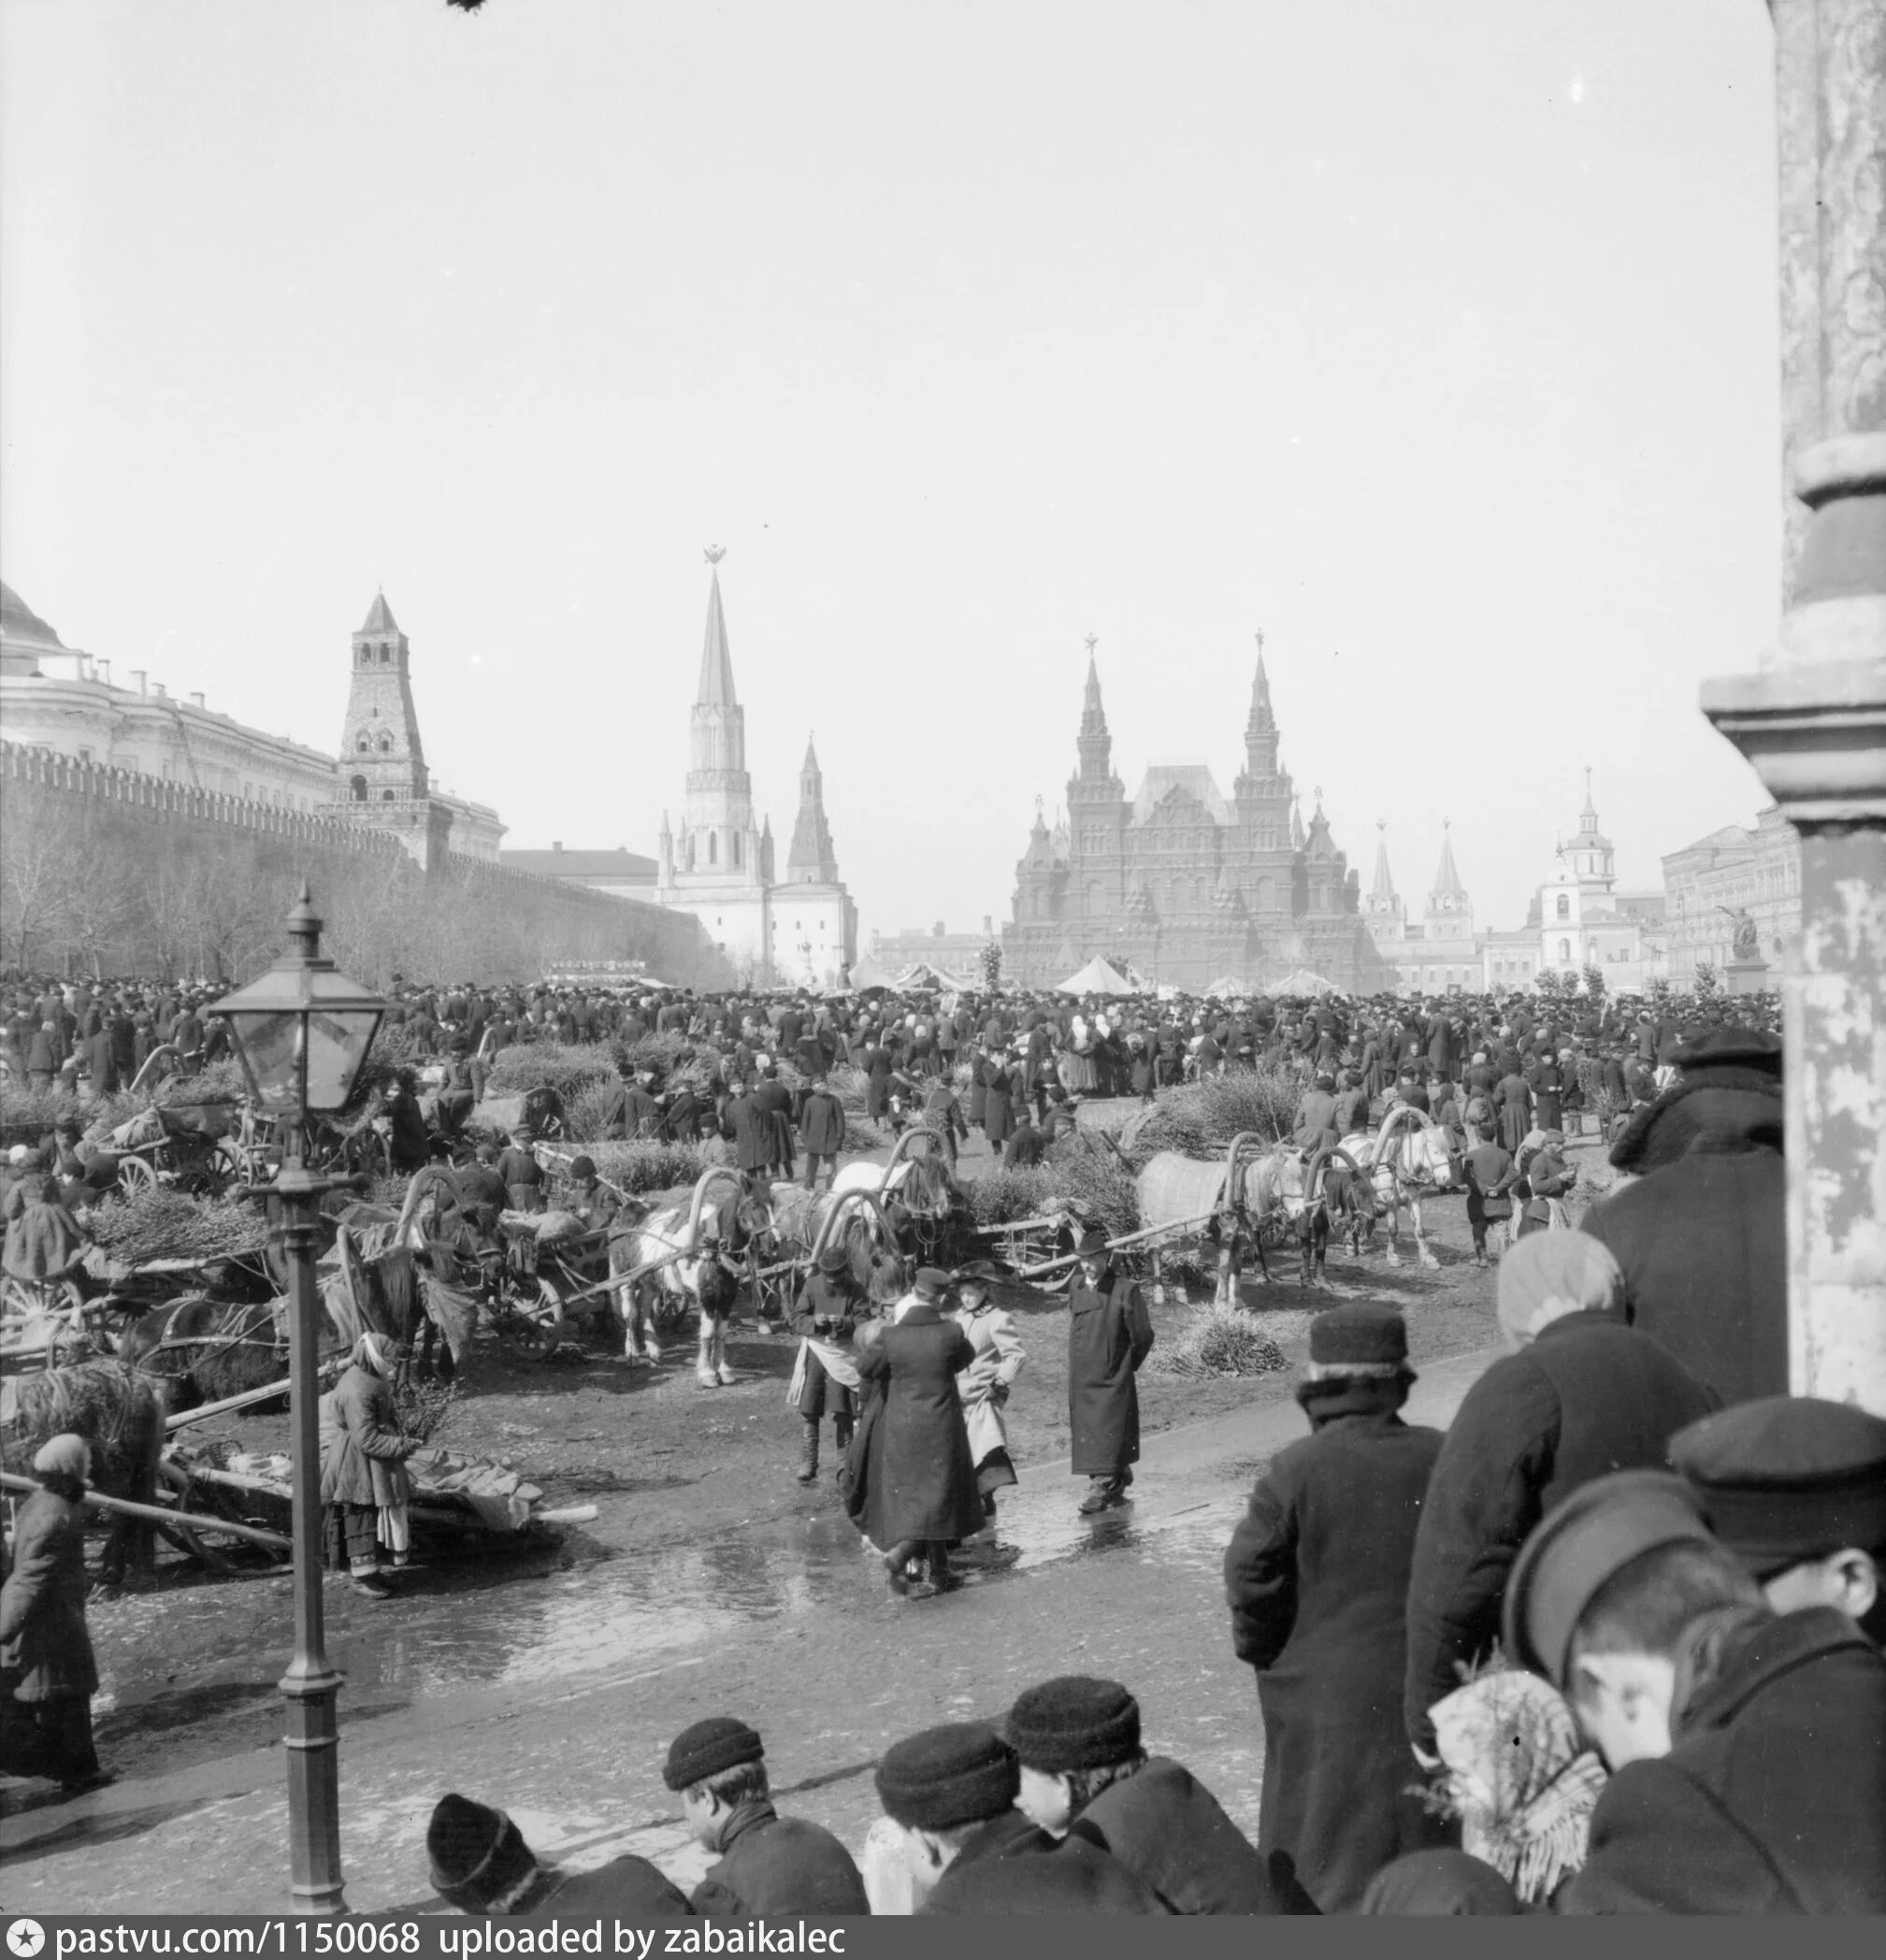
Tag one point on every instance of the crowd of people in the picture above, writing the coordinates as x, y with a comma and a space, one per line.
1610, 1643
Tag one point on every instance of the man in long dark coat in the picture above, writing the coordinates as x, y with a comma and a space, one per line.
1701, 1232
1109, 1337
1316, 1577
922, 1487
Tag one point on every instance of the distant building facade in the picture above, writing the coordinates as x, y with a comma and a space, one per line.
1583, 919
1731, 871
1185, 885
59, 700
950, 952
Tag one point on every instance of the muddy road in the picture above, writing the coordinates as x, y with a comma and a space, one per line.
551, 1680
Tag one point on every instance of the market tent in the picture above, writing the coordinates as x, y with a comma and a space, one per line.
1228, 986
868, 972
1095, 978
1304, 982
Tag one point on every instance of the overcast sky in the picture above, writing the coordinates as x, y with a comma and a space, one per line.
1438, 341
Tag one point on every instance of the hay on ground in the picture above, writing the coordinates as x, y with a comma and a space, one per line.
1215, 1341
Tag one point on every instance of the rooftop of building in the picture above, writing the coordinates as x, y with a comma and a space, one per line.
1194, 778
558, 864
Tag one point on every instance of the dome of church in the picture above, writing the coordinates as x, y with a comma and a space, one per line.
18, 621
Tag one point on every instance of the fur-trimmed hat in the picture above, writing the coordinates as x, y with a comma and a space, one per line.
1075, 1721
961, 1772
721, 1742
1360, 1335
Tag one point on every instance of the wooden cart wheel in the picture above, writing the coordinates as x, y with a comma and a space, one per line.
134, 1174
525, 1339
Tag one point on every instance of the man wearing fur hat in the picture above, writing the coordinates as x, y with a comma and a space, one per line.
480, 1862
824, 1379
1701, 1234
1109, 1337
769, 1866
1581, 1393
949, 1792
1085, 1776
1316, 1577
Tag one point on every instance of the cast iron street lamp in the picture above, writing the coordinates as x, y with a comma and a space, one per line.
303, 1032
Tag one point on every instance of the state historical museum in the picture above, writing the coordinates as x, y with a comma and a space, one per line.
1186, 888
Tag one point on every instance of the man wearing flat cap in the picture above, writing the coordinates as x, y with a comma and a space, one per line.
480, 1863
1701, 1232
951, 1793
1109, 1337
1747, 1747
769, 1864
1796, 1489
1580, 1395
1316, 1577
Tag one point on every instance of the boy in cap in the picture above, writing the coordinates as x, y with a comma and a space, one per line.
824, 1379
1085, 1775
1796, 1489
769, 1864
1317, 1578
951, 1793
1746, 1747
1109, 1337
821, 1130
480, 1863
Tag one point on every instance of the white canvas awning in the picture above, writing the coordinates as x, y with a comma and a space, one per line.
1097, 977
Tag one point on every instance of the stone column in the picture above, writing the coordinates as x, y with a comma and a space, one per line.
1812, 718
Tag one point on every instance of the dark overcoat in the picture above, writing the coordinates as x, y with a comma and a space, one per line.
1173, 1836
1109, 1337
1316, 1577
999, 1086
772, 1867
1588, 1395
821, 1123
1772, 1799
1512, 1099
1702, 1234
45, 1651
923, 1484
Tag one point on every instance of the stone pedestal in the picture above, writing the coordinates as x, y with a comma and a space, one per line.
1746, 976
1812, 720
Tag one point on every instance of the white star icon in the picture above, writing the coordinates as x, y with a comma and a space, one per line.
25, 1937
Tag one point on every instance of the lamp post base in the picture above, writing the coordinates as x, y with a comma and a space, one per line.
313, 1744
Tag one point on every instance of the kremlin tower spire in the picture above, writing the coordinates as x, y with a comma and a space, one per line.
1096, 782
813, 858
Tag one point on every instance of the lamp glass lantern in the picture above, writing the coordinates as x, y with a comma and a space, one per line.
303, 1030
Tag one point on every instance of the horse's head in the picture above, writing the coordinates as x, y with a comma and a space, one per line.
753, 1226
1422, 1157
924, 1187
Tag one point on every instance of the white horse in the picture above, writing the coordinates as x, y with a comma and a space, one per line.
684, 1256
1409, 1156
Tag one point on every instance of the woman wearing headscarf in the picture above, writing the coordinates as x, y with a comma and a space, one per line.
364, 1483
1579, 1394
47, 1674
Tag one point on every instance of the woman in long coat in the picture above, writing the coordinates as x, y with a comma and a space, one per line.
364, 1483
921, 1495
1002, 1085
47, 1675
